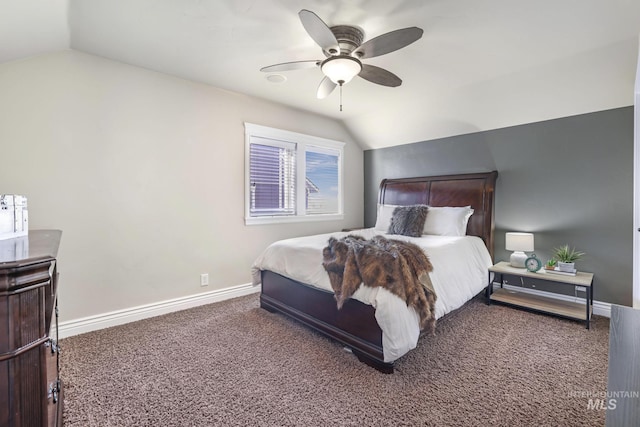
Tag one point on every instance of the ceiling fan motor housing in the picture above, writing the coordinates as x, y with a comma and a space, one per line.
349, 38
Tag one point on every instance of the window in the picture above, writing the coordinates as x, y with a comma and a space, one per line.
291, 177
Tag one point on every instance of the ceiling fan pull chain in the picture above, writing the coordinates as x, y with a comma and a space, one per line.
340, 96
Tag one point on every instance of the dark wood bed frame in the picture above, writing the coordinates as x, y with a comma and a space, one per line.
355, 325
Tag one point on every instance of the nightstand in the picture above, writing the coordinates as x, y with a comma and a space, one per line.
543, 304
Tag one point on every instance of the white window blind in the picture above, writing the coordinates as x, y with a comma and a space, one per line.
273, 178
321, 179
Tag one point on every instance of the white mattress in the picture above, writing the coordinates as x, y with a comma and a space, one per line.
459, 272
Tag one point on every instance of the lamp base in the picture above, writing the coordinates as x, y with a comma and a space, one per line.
517, 259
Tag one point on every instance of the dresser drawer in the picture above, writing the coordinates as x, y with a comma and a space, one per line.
50, 356
22, 406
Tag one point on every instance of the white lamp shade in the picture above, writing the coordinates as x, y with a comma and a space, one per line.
519, 242
341, 69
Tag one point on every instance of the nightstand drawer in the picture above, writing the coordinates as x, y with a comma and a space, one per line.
538, 284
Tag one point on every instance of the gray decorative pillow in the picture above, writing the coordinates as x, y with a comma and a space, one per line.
408, 220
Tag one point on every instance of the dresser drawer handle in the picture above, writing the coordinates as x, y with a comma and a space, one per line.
54, 389
55, 347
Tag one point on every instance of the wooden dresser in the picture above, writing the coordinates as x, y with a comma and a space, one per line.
30, 387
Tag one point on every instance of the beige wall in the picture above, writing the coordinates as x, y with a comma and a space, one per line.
144, 173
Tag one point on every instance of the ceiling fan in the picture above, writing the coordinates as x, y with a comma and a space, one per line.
344, 50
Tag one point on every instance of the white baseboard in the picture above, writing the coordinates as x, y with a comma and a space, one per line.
599, 308
119, 317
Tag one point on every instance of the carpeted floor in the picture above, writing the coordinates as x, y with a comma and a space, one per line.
234, 364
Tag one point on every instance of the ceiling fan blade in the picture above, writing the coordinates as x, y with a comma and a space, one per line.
319, 31
325, 88
379, 76
388, 42
288, 66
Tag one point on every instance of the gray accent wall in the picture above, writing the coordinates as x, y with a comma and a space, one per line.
568, 180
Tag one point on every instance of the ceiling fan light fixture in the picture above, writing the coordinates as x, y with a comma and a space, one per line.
341, 69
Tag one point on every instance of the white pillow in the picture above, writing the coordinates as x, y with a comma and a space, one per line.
447, 221
383, 218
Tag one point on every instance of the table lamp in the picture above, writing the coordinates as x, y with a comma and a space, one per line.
518, 243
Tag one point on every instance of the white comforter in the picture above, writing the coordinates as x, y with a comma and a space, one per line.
459, 273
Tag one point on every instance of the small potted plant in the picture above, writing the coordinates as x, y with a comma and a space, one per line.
551, 264
566, 257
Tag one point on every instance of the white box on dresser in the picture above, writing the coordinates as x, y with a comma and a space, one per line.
14, 216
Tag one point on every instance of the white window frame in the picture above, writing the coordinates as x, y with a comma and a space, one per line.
301, 141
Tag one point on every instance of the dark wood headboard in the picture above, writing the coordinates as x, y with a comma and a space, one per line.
475, 190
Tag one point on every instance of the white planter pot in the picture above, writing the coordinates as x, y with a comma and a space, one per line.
569, 267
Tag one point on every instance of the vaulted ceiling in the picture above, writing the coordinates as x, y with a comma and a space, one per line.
479, 65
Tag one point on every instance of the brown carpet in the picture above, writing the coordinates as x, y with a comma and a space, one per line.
234, 364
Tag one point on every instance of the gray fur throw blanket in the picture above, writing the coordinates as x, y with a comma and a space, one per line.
400, 267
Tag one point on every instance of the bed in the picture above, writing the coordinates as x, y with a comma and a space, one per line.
355, 325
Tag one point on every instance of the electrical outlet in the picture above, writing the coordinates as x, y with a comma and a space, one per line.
581, 289
204, 279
